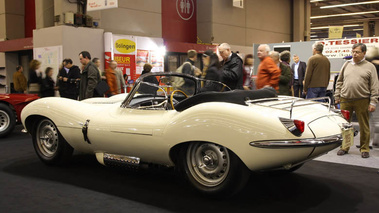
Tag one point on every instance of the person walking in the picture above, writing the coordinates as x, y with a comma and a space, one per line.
357, 90
153, 86
35, 77
89, 78
68, 78
248, 72
268, 72
317, 74
48, 84
298, 69
213, 72
19, 80
285, 76
110, 75
232, 67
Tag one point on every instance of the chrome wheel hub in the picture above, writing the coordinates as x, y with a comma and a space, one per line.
47, 138
208, 163
4, 120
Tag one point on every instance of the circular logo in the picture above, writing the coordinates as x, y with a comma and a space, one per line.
185, 9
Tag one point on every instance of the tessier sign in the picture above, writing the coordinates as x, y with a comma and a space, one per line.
101, 4
342, 47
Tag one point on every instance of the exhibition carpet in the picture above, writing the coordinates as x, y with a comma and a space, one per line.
27, 185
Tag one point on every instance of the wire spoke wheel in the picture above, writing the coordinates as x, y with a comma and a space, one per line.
208, 163
47, 138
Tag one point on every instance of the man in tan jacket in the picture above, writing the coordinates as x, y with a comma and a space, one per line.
357, 90
19, 80
317, 74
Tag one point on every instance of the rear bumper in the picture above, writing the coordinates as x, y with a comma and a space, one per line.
299, 143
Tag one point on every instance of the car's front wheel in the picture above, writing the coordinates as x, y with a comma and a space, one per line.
7, 120
213, 169
49, 144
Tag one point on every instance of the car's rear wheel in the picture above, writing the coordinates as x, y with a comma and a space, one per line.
7, 120
213, 169
49, 144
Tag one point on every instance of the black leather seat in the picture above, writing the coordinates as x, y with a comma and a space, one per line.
235, 97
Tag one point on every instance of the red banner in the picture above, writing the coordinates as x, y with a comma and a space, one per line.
179, 20
127, 64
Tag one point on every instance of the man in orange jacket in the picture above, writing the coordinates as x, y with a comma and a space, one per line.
268, 72
111, 77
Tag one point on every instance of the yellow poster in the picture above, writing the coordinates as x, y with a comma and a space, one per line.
335, 32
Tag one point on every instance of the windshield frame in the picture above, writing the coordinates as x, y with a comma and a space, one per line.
139, 81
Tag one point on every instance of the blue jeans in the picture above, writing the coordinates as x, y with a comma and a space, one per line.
316, 92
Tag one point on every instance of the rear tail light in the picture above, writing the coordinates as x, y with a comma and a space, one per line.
299, 125
346, 114
296, 127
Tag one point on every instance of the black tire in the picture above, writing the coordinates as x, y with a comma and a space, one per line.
7, 120
213, 169
49, 144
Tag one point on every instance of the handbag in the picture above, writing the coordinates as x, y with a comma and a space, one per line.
101, 88
34, 88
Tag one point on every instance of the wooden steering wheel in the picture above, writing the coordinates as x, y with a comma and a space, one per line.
172, 97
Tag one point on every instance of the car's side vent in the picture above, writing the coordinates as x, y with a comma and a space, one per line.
296, 127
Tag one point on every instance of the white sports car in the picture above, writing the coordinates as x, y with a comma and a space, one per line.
214, 136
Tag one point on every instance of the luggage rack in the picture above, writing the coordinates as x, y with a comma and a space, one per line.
292, 101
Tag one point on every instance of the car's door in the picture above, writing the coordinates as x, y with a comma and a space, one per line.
135, 129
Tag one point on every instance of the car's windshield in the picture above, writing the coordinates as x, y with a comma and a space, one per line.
160, 91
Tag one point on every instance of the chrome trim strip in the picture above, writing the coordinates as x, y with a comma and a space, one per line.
290, 101
301, 143
113, 158
132, 133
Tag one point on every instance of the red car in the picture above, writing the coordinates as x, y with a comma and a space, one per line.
11, 106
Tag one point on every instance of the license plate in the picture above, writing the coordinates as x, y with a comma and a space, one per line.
347, 138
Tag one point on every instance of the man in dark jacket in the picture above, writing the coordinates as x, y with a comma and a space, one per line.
285, 76
68, 77
298, 70
189, 64
232, 67
90, 77
189, 68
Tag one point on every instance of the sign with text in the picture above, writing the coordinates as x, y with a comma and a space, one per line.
142, 59
101, 4
342, 47
132, 52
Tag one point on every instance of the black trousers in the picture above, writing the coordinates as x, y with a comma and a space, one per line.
297, 88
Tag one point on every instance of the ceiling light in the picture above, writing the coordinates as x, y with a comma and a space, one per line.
316, 1
349, 4
344, 14
326, 27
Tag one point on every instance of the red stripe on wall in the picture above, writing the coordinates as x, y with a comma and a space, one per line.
179, 20
30, 17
